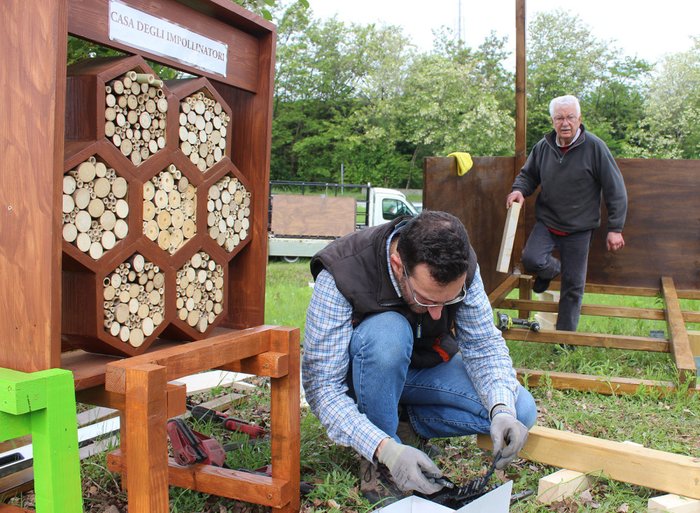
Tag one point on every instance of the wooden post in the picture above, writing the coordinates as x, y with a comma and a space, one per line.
147, 457
524, 292
33, 39
680, 344
285, 443
520, 113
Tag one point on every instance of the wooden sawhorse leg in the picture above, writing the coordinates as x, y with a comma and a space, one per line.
142, 381
43, 404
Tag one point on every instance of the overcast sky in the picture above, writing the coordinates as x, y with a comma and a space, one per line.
643, 28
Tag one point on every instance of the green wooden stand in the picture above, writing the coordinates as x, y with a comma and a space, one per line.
43, 404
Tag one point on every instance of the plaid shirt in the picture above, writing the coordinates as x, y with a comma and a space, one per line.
326, 361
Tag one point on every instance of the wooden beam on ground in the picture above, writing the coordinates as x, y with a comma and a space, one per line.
594, 288
590, 339
525, 293
499, 293
659, 470
629, 312
511, 224
678, 335
597, 384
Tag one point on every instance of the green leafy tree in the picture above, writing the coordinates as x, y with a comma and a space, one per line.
446, 108
564, 57
332, 80
670, 127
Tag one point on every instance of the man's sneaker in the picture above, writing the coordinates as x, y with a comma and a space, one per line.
376, 484
409, 436
540, 285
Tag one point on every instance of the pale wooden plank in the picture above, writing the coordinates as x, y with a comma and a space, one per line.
587, 309
659, 470
622, 290
680, 344
509, 229
590, 339
599, 384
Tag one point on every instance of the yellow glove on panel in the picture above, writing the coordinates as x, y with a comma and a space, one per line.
464, 162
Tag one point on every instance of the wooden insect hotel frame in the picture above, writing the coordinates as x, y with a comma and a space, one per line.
134, 223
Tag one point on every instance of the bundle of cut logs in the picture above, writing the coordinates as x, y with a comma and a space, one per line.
135, 113
228, 212
95, 207
169, 209
203, 128
134, 300
200, 291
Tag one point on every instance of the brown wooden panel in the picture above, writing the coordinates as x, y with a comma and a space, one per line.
662, 232
478, 199
33, 43
89, 19
312, 216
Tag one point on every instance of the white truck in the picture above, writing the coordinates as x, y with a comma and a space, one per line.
305, 222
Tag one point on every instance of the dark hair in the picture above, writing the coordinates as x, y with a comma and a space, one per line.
437, 239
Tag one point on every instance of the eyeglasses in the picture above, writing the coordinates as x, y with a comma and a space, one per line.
460, 297
560, 119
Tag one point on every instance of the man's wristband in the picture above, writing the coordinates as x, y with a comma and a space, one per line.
501, 408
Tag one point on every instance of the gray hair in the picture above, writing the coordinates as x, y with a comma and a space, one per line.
564, 100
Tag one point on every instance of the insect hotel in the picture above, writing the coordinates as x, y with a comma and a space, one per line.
134, 233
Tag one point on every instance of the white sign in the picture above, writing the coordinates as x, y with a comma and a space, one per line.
162, 37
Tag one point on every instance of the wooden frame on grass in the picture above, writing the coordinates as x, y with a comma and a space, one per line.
678, 344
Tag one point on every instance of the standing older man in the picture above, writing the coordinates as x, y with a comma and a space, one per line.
400, 342
572, 168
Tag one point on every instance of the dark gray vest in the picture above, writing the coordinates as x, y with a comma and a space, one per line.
358, 263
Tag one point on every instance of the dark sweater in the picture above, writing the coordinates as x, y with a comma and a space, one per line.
572, 182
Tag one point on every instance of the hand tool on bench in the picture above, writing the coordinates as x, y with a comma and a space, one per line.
232, 424
191, 447
506, 322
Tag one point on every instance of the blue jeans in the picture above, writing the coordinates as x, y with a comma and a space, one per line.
573, 249
440, 401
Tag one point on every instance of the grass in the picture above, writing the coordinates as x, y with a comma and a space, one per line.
669, 423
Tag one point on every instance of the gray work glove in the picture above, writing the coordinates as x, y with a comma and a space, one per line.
410, 468
506, 428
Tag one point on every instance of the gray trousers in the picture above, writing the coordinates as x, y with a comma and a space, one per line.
573, 250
